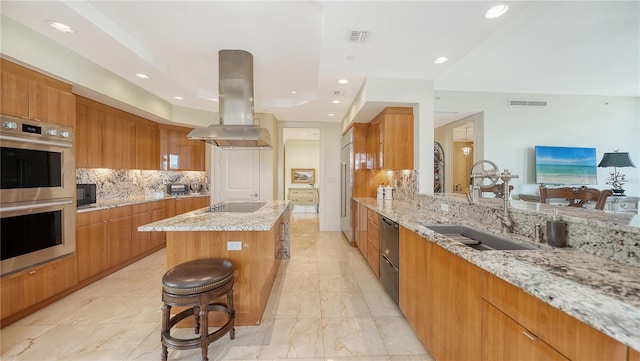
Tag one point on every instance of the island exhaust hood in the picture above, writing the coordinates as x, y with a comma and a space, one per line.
237, 128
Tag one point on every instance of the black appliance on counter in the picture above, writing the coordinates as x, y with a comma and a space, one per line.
390, 257
177, 189
86, 194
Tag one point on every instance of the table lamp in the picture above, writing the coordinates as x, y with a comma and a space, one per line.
616, 160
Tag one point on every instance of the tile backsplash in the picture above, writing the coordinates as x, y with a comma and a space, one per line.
114, 184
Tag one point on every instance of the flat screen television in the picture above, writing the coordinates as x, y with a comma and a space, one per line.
566, 165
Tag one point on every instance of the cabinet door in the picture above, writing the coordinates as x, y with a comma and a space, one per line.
119, 236
147, 146
414, 258
361, 233
91, 243
118, 142
634, 355
373, 146
568, 335
504, 339
88, 135
397, 138
453, 306
14, 91
158, 212
140, 241
373, 239
12, 294
52, 105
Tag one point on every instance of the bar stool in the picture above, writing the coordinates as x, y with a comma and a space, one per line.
197, 284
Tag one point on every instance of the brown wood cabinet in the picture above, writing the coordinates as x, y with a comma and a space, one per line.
140, 241
390, 140
177, 152
24, 289
569, 336
414, 258
28, 94
119, 235
188, 204
505, 339
107, 137
373, 241
91, 243
158, 211
360, 233
633, 355
454, 306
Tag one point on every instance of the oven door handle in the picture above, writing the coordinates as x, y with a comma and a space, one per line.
35, 141
34, 206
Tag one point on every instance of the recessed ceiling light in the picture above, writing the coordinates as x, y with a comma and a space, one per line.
331, 115
336, 101
440, 60
496, 11
343, 81
178, 97
142, 76
61, 27
293, 92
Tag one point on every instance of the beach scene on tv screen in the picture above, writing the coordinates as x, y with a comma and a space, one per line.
566, 165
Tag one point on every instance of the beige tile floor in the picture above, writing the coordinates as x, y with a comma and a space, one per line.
326, 304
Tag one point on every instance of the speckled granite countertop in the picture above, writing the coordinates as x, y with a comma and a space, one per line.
262, 219
599, 292
122, 202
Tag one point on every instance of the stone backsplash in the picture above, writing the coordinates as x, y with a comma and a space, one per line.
112, 184
614, 236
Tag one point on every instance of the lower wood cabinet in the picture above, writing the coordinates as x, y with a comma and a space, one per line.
360, 228
373, 241
504, 339
414, 254
91, 245
633, 355
188, 204
570, 337
119, 235
140, 241
440, 294
25, 289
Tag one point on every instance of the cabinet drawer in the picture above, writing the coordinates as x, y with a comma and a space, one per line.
373, 217
573, 338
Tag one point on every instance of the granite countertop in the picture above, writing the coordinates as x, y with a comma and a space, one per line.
597, 291
262, 219
122, 202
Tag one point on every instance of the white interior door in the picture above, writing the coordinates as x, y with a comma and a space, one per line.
236, 175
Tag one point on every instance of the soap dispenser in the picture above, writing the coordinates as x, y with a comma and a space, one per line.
556, 231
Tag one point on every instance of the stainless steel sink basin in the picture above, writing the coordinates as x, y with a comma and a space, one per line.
476, 239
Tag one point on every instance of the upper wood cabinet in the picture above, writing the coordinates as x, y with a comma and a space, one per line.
28, 94
390, 140
177, 152
110, 138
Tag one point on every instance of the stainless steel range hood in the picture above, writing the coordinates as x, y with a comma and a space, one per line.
237, 128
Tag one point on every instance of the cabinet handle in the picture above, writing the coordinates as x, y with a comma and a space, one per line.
32, 273
531, 336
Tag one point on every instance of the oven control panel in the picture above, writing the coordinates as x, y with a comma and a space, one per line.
35, 129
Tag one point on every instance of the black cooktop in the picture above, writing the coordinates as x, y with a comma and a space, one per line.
244, 207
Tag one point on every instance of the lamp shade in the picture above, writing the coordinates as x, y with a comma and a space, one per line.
616, 159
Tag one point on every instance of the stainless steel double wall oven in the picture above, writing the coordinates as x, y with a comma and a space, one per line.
37, 193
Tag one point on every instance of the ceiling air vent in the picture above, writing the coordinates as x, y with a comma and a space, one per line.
338, 93
527, 103
358, 36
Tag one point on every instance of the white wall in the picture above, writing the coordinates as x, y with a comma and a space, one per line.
510, 133
301, 154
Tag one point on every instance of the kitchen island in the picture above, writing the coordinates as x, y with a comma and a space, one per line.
255, 242
599, 292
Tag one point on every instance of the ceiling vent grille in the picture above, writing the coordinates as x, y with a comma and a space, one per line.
358, 36
527, 103
338, 93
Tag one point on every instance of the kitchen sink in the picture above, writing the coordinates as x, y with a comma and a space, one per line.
476, 239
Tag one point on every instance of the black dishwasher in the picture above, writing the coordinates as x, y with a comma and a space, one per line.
389, 257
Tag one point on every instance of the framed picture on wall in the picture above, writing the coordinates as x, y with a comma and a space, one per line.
303, 175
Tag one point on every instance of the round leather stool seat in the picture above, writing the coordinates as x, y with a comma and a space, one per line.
198, 285
197, 276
